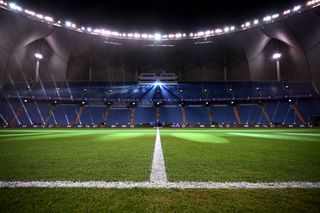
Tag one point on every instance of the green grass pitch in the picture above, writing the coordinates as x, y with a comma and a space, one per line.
242, 155
78, 155
190, 155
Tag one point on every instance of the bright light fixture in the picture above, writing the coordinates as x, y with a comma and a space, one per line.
48, 18
157, 36
13, 6
38, 56
296, 8
157, 83
276, 56
68, 24
267, 18
137, 35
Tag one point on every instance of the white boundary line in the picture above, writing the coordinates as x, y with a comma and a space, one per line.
166, 185
158, 170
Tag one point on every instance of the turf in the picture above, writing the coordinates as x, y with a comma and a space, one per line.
148, 200
79, 155
242, 155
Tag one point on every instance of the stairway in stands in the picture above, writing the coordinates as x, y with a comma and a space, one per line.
183, 116
158, 113
16, 116
106, 115
236, 114
297, 113
210, 117
132, 114
79, 113
49, 114
265, 113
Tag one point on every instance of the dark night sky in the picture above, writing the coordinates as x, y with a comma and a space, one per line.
161, 15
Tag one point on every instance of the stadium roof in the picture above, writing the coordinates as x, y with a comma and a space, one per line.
159, 16
246, 54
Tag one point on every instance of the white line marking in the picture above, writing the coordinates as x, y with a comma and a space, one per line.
167, 185
158, 171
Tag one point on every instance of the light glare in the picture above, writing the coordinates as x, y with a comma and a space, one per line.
276, 56
38, 56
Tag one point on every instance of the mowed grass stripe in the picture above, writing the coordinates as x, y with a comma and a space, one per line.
253, 155
77, 155
155, 200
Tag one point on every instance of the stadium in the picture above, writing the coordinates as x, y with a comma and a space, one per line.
225, 119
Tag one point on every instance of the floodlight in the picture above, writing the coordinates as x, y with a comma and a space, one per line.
30, 12
97, 31
38, 56
105, 32
48, 18
157, 36
296, 8
218, 31
256, 21
137, 35
267, 18
68, 24
276, 56
39, 16
13, 6
286, 12
89, 29
115, 33
157, 83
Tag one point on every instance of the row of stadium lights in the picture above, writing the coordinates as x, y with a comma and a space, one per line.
157, 36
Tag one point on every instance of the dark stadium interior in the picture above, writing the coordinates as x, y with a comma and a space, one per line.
233, 72
159, 106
